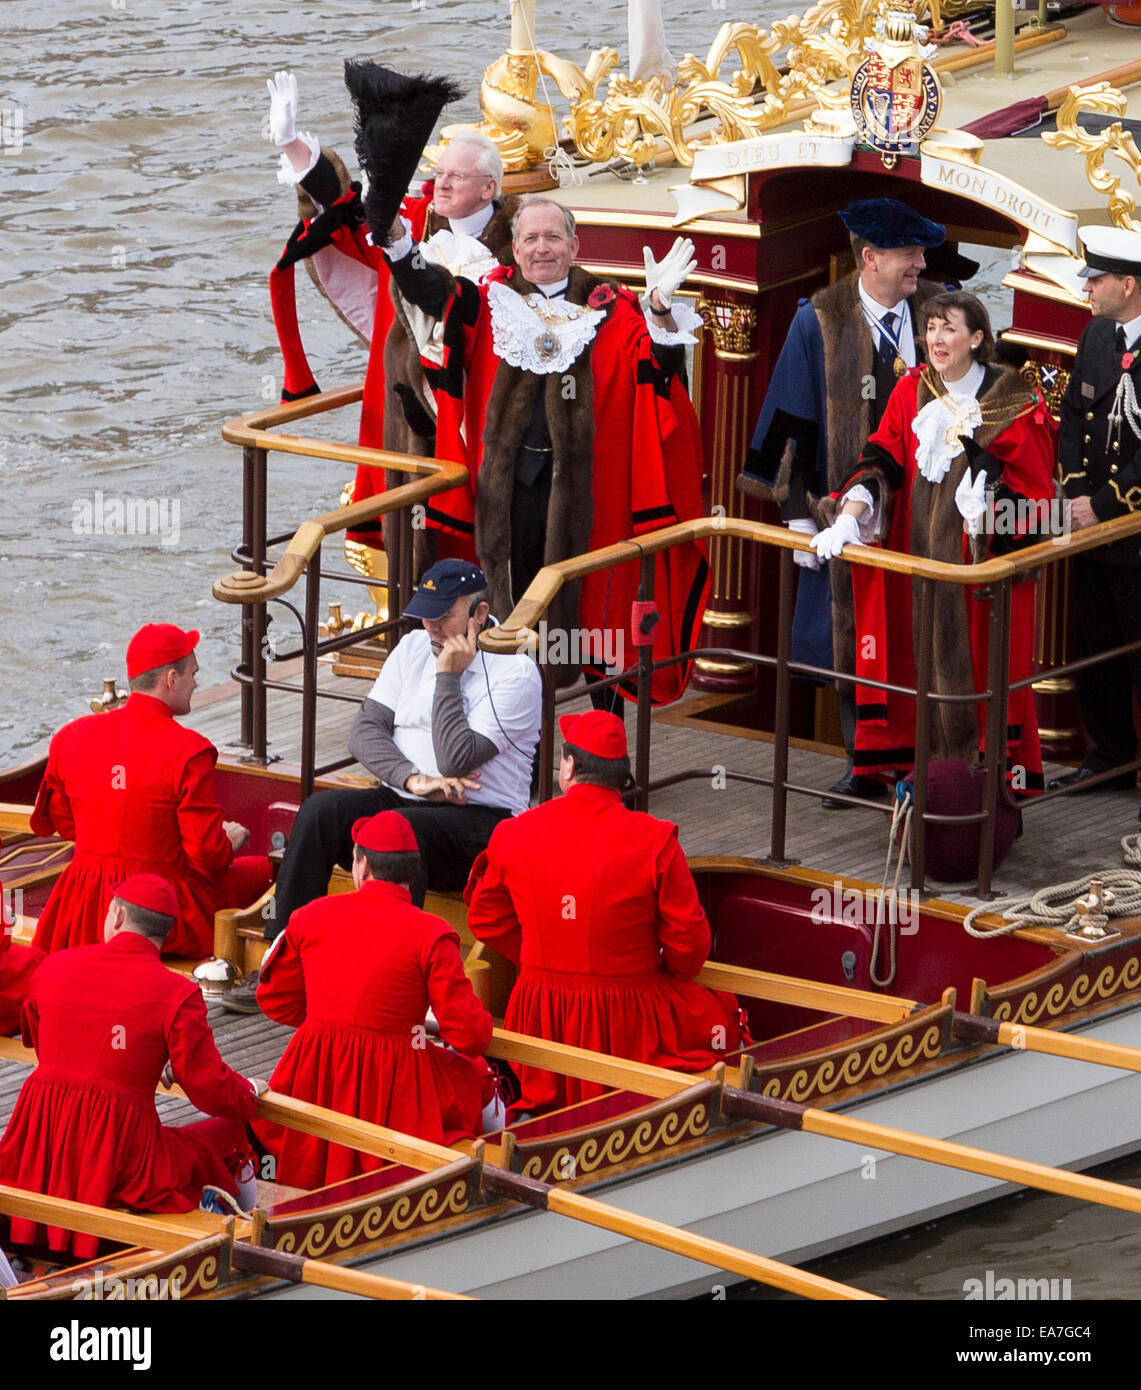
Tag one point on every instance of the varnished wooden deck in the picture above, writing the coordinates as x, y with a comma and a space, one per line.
1061, 841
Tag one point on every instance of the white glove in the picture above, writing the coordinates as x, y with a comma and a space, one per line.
283, 101
970, 498
832, 540
804, 526
670, 272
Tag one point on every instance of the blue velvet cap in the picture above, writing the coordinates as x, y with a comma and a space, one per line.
889, 225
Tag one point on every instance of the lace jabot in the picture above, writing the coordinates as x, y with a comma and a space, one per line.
539, 334
941, 424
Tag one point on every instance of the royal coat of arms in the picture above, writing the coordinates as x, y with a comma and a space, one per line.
895, 93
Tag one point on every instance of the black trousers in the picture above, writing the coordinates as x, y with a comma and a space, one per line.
450, 839
1107, 613
529, 503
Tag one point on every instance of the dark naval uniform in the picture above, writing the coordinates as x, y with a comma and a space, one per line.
1104, 464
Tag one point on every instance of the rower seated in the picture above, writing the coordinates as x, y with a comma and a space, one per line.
107, 1022
355, 973
135, 790
597, 905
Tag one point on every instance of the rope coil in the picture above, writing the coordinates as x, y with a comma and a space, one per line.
1053, 906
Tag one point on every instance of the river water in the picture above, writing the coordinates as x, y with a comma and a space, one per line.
140, 216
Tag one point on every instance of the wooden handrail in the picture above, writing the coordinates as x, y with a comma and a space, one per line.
516, 632
256, 431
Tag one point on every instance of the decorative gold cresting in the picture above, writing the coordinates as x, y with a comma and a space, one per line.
824, 46
1105, 100
732, 325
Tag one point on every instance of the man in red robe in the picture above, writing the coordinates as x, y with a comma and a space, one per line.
17, 965
356, 974
566, 402
461, 220
597, 905
104, 1021
135, 791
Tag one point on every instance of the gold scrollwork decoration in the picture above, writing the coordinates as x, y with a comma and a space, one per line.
1061, 998
353, 1228
822, 46
1102, 98
856, 1066
1050, 381
731, 324
567, 1163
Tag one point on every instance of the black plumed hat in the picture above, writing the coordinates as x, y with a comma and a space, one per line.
395, 117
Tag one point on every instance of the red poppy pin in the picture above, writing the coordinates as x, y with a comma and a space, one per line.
1127, 361
601, 296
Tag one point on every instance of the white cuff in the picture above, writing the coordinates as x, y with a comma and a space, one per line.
868, 520
687, 318
399, 249
290, 176
803, 525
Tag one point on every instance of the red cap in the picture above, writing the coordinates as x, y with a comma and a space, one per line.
388, 831
158, 644
148, 891
595, 732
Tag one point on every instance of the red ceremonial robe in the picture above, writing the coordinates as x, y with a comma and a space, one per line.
17, 964
355, 974
104, 1020
646, 467
926, 521
598, 907
135, 790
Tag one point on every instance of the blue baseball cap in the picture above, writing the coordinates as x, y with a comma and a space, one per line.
440, 586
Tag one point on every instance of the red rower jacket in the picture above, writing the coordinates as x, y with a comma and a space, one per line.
597, 905
355, 974
104, 1020
135, 790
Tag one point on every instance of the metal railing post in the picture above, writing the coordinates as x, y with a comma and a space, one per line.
645, 683
923, 663
309, 675
547, 732
781, 721
997, 717
247, 730
257, 487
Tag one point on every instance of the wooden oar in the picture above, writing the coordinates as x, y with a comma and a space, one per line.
166, 1232
256, 1259
427, 1157
788, 1115
1024, 1038
805, 994
886, 1008
548, 1197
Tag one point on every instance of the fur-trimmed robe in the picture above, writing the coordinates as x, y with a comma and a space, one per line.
626, 461
1015, 445
397, 412
816, 418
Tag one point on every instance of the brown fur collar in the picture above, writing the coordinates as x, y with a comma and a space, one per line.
569, 399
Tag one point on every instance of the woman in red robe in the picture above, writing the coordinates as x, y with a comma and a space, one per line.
356, 973
961, 468
597, 905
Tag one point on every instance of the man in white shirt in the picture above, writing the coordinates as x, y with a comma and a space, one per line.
451, 733
845, 350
